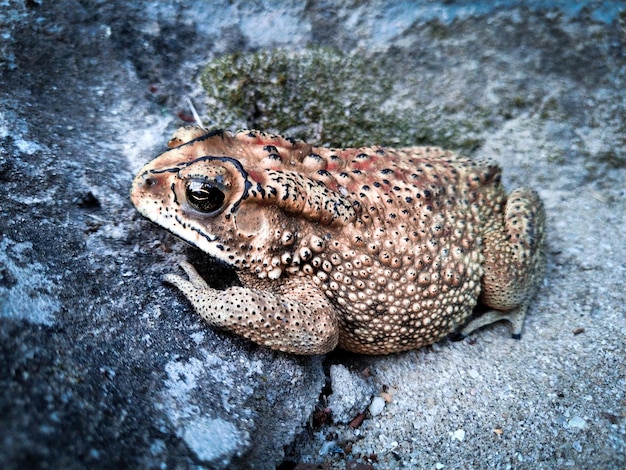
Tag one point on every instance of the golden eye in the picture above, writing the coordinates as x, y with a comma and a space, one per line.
204, 196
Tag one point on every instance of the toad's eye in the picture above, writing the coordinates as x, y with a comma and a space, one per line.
204, 196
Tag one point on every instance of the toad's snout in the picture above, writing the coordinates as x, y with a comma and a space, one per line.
149, 190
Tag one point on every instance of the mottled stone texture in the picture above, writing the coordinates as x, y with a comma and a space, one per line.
104, 366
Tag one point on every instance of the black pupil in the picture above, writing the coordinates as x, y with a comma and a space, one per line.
204, 197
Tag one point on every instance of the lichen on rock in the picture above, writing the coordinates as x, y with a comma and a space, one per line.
323, 95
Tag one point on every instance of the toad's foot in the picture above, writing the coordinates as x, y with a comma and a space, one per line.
298, 320
515, 317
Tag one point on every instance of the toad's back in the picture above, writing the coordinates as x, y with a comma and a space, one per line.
408, 271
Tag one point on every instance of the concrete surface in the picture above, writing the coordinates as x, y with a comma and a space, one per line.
103, 366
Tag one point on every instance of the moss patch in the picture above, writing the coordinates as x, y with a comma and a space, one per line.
328, 97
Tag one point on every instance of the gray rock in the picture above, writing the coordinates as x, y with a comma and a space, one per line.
376, 406
577, 423
351, 395
101, 365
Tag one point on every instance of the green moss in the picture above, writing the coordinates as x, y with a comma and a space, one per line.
551, 109
612, 159
327, 97
438, 30
557, 156
315, 94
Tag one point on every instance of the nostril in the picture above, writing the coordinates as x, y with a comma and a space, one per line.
150, 182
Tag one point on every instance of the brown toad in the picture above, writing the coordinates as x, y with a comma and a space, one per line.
374, 250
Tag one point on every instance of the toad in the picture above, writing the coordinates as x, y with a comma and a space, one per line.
373, 250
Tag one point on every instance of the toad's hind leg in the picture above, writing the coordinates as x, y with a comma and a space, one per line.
514, 262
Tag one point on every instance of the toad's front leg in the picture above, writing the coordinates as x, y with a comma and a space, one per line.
299, 319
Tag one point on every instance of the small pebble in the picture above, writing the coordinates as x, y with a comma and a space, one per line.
327, 447
459, 435
377, 406
577, 423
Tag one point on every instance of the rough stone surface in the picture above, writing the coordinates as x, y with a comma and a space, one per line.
351, 394
102, 366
